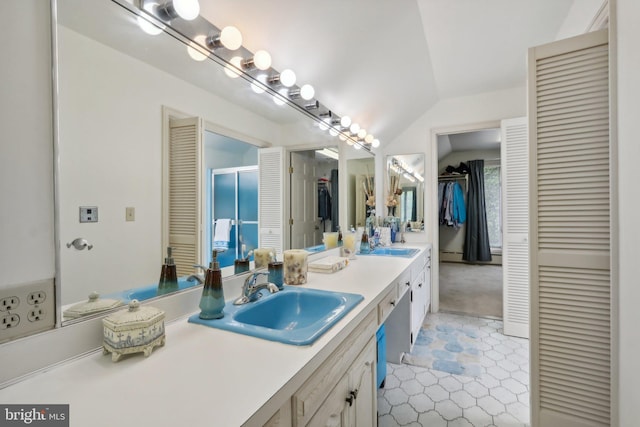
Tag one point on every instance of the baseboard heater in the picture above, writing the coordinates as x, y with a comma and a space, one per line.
453, 256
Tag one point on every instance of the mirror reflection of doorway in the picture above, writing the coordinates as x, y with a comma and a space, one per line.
313, 195
472, 288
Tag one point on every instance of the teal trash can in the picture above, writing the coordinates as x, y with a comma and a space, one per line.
381, 373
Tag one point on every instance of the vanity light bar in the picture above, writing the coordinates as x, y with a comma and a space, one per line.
203, 37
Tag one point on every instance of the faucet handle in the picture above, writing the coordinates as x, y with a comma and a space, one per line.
197, 266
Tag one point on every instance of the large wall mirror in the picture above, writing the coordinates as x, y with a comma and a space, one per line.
115, 85
404, 190
361, 185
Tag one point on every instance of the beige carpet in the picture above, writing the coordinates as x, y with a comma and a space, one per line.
474, 290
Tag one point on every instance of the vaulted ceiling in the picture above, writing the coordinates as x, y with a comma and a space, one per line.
386, 62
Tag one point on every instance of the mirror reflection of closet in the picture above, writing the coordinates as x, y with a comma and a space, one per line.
472, 288
314, 197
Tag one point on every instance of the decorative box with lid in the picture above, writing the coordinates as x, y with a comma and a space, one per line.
138, 329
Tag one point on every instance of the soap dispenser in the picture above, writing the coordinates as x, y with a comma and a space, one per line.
365, 246
168, 276
212, 301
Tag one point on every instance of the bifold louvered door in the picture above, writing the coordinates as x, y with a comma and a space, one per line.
515, 226
271, 196
183, 172
570, 233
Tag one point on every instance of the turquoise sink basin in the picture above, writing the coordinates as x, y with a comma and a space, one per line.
401, 252
296, 316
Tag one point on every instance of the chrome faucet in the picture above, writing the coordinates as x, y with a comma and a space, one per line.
196, 276
250, 290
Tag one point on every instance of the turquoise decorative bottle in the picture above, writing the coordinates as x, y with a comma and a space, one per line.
168, 276
212, 300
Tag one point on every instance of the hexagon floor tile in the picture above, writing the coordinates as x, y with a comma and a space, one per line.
416, 396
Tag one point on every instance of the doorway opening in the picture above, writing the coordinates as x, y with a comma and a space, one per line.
469, 211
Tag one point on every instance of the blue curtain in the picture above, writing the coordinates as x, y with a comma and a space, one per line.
476, 242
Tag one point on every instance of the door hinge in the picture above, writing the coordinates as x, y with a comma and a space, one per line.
290, 169
290, 221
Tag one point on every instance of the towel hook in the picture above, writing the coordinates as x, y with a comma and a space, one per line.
80, 243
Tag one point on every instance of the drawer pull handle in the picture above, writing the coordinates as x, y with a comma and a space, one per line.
420, 285
393, 303
408, 283
353, 395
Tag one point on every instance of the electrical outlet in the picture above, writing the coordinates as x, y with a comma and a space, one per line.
36, 315
9, 321
26, 309
36, 298
9, 303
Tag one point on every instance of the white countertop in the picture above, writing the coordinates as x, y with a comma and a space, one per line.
204, 376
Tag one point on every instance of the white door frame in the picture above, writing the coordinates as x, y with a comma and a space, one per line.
433, 201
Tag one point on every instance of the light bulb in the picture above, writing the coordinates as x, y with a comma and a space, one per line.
196, 51
342, 137
257, 88
354, 128
233, 69
148, 27
307, 92
357, 146
368, 139
362, 133
231, 38
345, 121
262, 60
333, 132
375, 143
187, 9
288, 78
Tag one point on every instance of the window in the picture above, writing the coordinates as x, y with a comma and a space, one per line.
492, 195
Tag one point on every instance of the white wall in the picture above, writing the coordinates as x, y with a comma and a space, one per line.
27, 250
451, 112
628, 174
111, 156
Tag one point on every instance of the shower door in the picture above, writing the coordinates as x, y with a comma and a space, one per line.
233, 194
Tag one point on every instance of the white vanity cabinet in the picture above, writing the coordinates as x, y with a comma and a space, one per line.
341, 392
420, 292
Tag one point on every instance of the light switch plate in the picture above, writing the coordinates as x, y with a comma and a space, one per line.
130, 214
88, 214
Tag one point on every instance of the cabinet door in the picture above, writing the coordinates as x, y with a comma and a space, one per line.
334, 412
362, 385
419, 291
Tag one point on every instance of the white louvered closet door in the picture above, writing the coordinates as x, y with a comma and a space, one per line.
570, 232
184, 202
271, 165
515, 226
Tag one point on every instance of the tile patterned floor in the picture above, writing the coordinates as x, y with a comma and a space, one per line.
420, 397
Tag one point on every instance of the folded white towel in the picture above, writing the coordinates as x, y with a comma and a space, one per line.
222, 233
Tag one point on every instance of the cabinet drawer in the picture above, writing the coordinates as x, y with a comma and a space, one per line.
310, 396
387, 305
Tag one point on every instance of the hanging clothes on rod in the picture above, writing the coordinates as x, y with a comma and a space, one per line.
324, 201
452, 209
